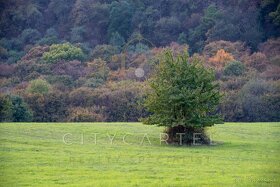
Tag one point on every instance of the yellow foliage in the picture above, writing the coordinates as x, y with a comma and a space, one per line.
221, 59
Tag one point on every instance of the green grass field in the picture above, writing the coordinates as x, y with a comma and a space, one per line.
245, 154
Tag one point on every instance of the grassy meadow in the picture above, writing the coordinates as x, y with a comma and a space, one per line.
130, 154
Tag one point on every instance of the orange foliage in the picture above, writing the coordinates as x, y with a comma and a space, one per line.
221, 59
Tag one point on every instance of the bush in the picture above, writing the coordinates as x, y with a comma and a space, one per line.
35, 53
64, 51
29, 69
94, 82
81, 97
105, 52
233, 83
80, 114
49, 107
257, 87
74, 68
61, 80
122, 101
257, 101
38, 86
221, 59
99, 68
21, 111
5, 108
237, 49
235, 68
258, 61
13, 108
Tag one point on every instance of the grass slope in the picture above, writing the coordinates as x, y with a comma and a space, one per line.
247, 154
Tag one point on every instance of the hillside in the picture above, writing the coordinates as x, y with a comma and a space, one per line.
88, 60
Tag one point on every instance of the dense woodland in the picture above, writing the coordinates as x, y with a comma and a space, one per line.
88, 60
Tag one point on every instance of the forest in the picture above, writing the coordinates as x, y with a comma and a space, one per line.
89, 60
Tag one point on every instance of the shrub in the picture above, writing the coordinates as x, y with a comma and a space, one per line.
13, 108
81, 97
220, 59
232, 83
235, 68
258, 61
257, 87
80, 114
105, 52
258, 100
272, 72
237, 49
5, 108
21, 111
74, 68
48, 107
29, 69
231, 107
38, 86
122, 101
35, 53
99, 68
94, 82
271, 47
64, 51
61, 80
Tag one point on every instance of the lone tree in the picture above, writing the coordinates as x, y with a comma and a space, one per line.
183, 97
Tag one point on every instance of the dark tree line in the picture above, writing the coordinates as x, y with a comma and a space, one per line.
93, 22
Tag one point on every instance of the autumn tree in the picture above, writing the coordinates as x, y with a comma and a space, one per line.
38, 86
64, 51
183, 98
220, 59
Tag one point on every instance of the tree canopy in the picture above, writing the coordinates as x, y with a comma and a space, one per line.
183, 92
